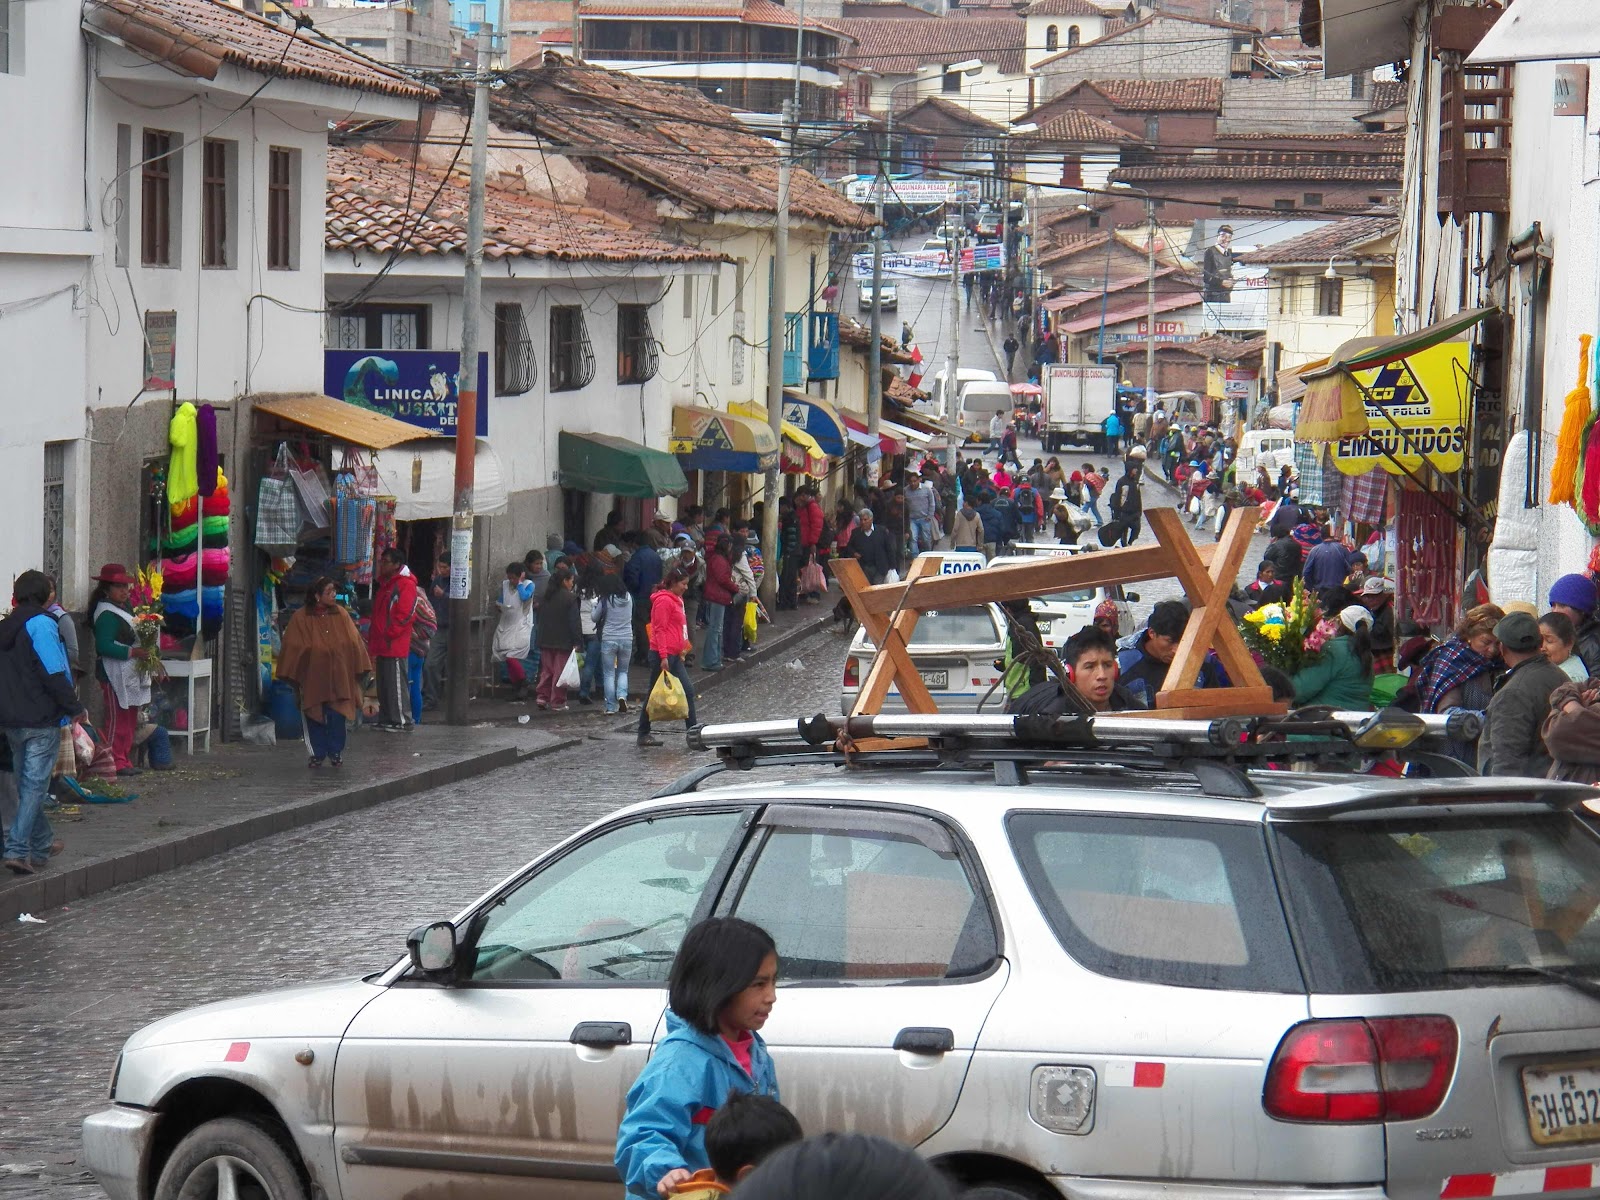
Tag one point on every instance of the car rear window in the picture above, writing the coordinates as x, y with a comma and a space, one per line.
1187, 903
1422, 902
955, 627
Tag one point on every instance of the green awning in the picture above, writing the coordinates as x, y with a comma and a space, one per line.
614, 466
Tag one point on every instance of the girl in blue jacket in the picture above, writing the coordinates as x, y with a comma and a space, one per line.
719, 995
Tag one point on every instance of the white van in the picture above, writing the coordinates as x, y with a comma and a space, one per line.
943, 407
1269, 448
980, 400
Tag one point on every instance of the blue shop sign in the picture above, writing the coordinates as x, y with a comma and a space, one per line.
414, 386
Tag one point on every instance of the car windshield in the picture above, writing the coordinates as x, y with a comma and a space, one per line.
1429, 901
955, 627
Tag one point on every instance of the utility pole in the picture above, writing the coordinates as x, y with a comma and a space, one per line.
952, 361
775, 343
875, 348
1150, 304
460, 658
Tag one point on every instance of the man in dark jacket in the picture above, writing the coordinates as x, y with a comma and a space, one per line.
1127, 503
1286, 557
641, 576
1284, 518
994, 525
1511, 743
1143, 658
870, 547
36, 699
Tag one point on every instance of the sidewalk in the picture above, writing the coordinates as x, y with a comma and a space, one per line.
240, 793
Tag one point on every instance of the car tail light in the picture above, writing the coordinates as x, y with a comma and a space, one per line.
1379, 1069
852, 672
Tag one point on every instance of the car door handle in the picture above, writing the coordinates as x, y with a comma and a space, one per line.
918, 1039
602, 1033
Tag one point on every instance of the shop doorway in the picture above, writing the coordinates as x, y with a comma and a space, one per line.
574, 514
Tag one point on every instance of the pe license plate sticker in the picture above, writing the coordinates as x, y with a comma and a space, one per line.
935, 679
1563, 1103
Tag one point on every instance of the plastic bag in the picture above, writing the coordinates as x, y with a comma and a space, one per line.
891, 576
750, 623
668, 701
258, 730
812, 579
571, 674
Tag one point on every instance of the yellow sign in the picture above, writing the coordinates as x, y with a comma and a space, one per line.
1417, 411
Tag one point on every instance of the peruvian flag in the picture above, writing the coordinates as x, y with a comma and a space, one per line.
915, 378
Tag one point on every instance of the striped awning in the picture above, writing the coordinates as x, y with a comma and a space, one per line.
707, 440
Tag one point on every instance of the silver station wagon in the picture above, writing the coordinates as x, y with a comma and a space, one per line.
1118, 959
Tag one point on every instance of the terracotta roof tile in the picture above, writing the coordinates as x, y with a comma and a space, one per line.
1075, 125
1271, 165
958, 113
671, 140
752, 12
1067, 8
199, 36
900, 47
1158, 95
1351, 237
367, 210
857, 336
1387, 94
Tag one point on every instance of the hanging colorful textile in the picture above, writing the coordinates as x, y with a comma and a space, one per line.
1425, 554
1574, 417
182, 436
206, 472
384, 534
1365, 496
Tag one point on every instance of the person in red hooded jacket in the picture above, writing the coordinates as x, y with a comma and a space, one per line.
808, 513
394, 611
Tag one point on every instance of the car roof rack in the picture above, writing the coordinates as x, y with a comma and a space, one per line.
1216, 753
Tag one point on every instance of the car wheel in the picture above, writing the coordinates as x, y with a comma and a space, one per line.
232, 1158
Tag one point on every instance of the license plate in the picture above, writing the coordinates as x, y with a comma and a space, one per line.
1563, 1103
935, 680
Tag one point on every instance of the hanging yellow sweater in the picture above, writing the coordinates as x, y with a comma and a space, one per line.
183, 471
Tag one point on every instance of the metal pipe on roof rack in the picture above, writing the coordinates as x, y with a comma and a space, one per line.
1460, 726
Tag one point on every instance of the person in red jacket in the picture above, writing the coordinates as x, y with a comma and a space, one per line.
808, 513
720, 591
394, 611
669, 638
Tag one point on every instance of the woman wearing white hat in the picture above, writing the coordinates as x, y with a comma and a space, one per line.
1342, 676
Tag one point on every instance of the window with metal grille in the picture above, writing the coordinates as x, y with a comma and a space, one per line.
282, 173
514, 364
636, 344
55, 505
216, 203
378, 327
571, 356
1330, 297
158, 198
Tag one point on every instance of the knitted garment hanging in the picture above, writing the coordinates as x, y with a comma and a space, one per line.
183, 435
206, 449
1569, 442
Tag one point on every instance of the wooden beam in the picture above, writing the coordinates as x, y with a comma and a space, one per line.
1052, 573
892, 663
1207, 697
1210, 623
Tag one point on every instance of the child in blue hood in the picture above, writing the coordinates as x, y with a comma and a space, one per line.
720, 993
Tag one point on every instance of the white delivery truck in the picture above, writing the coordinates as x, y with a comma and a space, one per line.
1078, 397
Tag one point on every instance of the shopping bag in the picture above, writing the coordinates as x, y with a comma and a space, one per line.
812, 579
311, 482
667, 701
363, 474
750, 622
571, 674
891, 576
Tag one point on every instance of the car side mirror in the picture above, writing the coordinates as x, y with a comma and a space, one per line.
433, 948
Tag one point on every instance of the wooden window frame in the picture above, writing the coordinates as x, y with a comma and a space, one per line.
281, 208
217, 159
157, 185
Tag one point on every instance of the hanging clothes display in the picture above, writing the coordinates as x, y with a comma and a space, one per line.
206, 461
182, 466
1426, 556
1575, 418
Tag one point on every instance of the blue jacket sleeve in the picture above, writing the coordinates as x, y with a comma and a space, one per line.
658, 1128
525, 589
52, 656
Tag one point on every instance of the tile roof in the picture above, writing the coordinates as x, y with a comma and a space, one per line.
1158, 95
858, 337
367, 210
887, 9
1387, 94
1269, 166
199, 36
958, 113
670, 140
1164, 303
1215, 346
1337, 239
900, 47
1075, 125
1066, 8
751, 12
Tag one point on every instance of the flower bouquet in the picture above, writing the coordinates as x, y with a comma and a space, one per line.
145, 598
1287, 636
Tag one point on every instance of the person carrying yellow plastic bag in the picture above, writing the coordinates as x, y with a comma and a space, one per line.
671, 695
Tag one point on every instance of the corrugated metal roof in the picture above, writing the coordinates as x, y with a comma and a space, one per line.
336, 418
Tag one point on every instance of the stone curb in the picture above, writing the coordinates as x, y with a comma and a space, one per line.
55, 888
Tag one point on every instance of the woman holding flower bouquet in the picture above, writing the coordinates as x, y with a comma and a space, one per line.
124, 680
1341, 676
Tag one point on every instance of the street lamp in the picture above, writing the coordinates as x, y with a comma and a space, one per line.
1150, 290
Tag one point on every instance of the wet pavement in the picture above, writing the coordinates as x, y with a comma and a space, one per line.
333, 899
